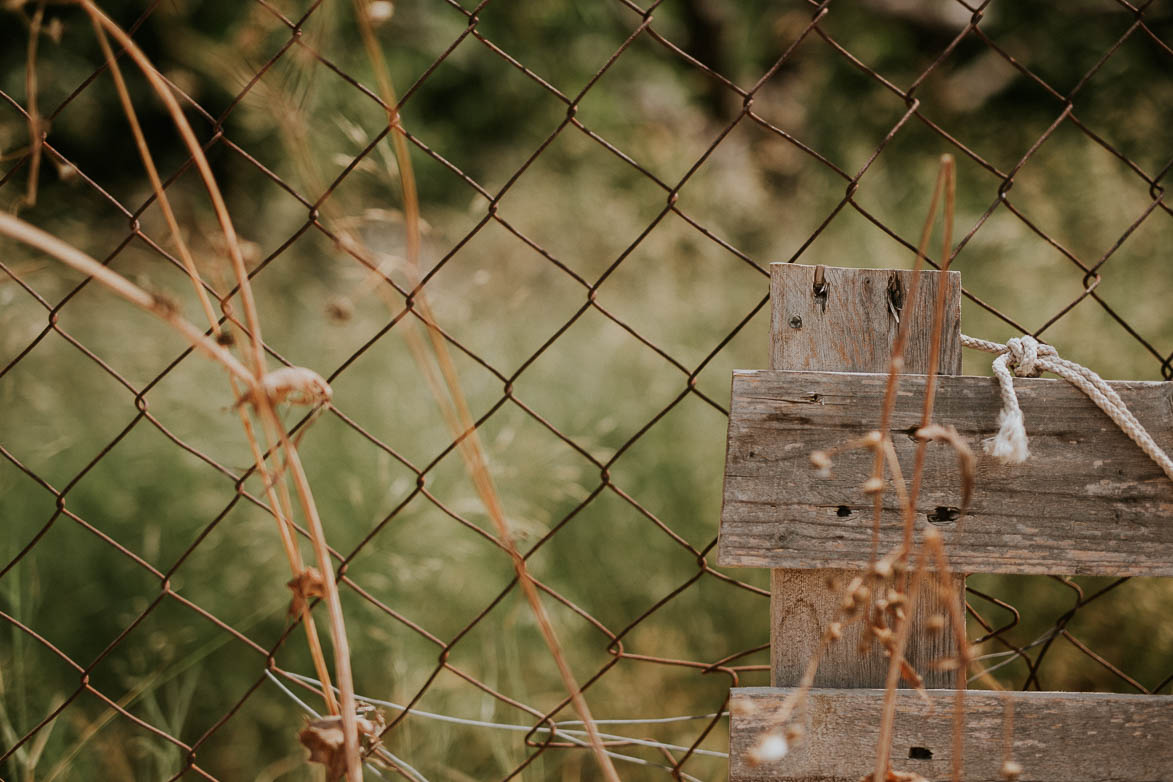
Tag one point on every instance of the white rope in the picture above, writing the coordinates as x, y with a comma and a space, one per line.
1028, 357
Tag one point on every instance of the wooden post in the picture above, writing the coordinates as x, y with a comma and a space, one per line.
848, 323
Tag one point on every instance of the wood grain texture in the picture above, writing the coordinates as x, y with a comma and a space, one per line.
852, 328
1057, 737
849, 324
1088, 501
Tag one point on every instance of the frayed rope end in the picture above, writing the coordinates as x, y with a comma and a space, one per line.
1009, 446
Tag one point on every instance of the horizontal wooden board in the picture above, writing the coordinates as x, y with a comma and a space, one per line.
1056, 736
1088, 501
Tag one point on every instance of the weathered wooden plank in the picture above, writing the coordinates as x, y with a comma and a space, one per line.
847, 319
1088, 501
850, 325
1056, 737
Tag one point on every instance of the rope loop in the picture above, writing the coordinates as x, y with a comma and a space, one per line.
1027, 357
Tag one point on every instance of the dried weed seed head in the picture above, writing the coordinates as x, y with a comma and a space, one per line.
295, 385
307, 584
742, 707
770, 748
379, 12
340, 309
1011, 770
821, 461
324, 739
885, 636
856, 596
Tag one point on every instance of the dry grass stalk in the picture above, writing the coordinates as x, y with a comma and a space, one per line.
264, 408
946, 181
153, 174
455, 407
884, 742
896, 366
897, 603
36, 126
160, 307
271, 382
964, 653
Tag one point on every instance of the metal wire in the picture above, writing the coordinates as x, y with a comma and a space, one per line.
1027, 647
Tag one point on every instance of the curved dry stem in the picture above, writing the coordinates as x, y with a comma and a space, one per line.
261, 401
895, 367
932, 538
162, 89
888, 712
459, 418
153, 174
281, 510
163, 309
30, 90
946, 178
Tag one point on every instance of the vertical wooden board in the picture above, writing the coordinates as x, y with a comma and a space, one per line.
849, 324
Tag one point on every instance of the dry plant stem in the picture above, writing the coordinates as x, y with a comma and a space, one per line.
153, 174
35, 237
884, 742
411, 211
30, 90
797, 698
264, 408
895, 367
282, 511
945, 177
205, 171
1007, 730
957, 621
464, 426
29, 234
897, 473
945, 181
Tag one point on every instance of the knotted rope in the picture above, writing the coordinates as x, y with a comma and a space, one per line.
1029, 358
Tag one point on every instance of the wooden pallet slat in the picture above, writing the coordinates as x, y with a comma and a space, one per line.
1087, 501
1074, 737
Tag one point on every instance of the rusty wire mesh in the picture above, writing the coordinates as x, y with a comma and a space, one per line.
671, 654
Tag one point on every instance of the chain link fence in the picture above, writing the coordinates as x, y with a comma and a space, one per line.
603, 189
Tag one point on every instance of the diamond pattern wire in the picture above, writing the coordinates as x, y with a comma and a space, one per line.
514, 391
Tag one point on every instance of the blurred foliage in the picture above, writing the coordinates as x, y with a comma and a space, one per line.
586, 207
